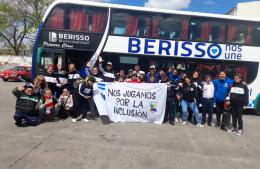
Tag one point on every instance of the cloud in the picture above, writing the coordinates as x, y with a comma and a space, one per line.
168, 4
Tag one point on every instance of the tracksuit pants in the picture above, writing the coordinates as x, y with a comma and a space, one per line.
237, 113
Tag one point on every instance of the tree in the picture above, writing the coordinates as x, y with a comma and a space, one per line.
19, 18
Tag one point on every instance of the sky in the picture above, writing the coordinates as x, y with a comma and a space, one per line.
208, 6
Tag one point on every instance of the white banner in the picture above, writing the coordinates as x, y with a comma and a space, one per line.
129, 102
184, 49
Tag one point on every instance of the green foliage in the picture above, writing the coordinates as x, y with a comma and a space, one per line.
19, 18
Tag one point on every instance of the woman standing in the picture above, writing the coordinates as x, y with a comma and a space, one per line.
189, 94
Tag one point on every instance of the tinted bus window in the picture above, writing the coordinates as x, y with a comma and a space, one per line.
131, 25
170, 27
78, 18
240, 33
256, 35
209, 31
56, 19
87, 19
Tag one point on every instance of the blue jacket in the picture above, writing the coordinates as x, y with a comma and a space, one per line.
147, 77
221, 89
174, 78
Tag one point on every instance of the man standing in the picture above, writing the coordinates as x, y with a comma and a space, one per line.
152, 73
73, 82
238, 100
52, 80
207, 99
109, 74
221, 88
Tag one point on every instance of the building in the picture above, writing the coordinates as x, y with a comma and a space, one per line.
246, 9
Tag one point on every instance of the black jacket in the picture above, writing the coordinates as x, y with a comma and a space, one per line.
171, 88
189, 92
238, 95
72, 78
85, 90
24, 103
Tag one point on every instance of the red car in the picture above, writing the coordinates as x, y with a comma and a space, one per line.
17, 73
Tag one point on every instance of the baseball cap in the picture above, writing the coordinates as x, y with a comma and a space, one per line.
109, 63
152, 67
28, 85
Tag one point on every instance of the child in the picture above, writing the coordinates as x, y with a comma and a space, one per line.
176, 114
65, 104
48, 106
26, 112
85, 92
207, 99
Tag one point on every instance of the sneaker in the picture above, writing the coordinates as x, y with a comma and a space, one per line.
200, 125
180, 120
232, 130
74, 120
85, 120
239, 132
177, 120
184, 123
209, 124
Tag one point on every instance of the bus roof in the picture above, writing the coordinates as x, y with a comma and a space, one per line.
146, 9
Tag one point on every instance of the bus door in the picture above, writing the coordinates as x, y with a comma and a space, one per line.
53, 57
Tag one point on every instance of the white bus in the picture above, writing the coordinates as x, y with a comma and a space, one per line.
79, 31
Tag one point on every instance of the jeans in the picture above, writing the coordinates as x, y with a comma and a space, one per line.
237, 113
207, 107
194, 109
31, 120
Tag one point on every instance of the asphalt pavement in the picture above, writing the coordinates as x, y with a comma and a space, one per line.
66, 145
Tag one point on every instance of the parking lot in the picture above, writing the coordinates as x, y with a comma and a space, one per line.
66, 145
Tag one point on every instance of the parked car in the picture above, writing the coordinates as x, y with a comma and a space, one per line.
17, 73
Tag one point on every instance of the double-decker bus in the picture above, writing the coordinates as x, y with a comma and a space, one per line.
78, 31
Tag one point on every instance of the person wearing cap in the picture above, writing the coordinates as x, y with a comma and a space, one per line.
152, 73
26, 112
52, 80
109, 74
85, 92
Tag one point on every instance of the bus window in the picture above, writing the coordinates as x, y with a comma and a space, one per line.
208, 31
170, 27
131, 25
239, 33
118, 23
77, 19
87, 19
256, 35
56, 19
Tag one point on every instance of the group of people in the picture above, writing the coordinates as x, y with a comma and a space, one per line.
54, 96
